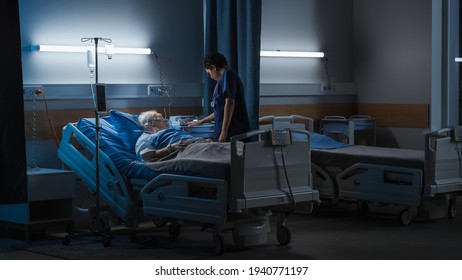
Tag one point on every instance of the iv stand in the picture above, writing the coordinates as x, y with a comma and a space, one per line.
96, 217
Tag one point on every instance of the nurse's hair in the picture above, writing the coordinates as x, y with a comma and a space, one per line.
215, 59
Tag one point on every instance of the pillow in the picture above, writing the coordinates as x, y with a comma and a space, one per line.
128, 127
124, 159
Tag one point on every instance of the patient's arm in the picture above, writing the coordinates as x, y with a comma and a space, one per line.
151, 153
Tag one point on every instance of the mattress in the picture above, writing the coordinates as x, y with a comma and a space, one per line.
346, 156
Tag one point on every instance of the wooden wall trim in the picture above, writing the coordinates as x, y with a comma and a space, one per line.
397, 115
386, 115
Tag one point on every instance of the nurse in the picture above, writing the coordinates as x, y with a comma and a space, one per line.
228, 100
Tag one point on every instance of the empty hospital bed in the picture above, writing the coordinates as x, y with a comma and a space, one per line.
262, 174
423, 184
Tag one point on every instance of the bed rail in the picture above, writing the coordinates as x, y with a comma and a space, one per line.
184, 197
113, 189
381, 183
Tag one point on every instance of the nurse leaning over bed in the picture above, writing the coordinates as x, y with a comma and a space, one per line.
158, 139
228, 100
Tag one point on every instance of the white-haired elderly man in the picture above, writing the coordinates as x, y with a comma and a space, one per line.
159, 140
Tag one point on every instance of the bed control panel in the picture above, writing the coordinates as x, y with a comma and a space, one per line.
457, 134
281, 137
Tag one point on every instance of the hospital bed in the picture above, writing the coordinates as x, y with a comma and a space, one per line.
422, 184
264, 173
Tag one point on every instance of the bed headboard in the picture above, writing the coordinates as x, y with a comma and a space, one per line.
284, 122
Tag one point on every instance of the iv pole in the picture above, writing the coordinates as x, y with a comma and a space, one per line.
96, 216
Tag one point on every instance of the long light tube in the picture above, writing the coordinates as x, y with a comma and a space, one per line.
290, 54
83, 49
458, 59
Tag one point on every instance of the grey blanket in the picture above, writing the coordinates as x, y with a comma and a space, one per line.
198, 159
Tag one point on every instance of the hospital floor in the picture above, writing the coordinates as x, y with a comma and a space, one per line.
331, 232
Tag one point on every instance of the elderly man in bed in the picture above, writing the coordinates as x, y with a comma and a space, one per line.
159, 140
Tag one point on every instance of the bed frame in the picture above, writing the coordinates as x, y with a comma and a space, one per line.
266, 178
426, 193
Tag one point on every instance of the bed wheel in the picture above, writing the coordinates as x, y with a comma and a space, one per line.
405, 217
219, 245
452, 209
174, 230
283, 235
159, 221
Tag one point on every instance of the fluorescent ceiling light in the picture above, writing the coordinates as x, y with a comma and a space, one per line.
458, 59
83, 49
291, 54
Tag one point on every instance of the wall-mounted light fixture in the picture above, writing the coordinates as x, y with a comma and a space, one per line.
458, 59
291, 54
109, 49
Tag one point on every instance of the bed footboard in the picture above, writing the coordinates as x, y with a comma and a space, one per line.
265, 174
443, 158
112, 186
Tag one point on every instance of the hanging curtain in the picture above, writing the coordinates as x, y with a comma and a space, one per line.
233, 28
13, 187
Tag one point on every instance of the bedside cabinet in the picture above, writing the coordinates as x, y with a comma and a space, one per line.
50, 202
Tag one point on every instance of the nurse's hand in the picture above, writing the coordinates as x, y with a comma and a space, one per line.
223, 137
193, 123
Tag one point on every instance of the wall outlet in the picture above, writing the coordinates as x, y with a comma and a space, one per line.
159, 91
30, 90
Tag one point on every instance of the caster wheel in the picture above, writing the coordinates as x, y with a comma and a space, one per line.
159, 222
219, 245
283, 235
405, 217
451, 209
174, 231
309, 208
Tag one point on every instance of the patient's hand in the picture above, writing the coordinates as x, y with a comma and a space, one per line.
180, 145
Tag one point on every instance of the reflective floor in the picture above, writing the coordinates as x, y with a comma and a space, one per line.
331, 232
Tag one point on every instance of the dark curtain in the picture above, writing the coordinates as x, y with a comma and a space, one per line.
233, 28
13, 186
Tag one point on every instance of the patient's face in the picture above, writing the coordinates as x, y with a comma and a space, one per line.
156, 120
